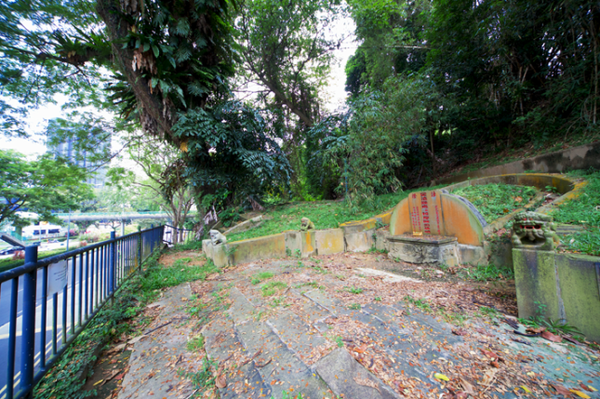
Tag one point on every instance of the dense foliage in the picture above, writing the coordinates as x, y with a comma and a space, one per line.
233, 150
368, 149
432, 84
502, 74
39, 186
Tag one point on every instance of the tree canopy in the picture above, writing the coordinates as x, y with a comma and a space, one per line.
39, 186
500, 74
433, 83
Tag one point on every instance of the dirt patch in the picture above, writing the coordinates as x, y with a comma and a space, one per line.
195, 258
447, 285
339, 276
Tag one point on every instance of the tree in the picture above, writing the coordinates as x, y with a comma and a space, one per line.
234, 152
286, 49
368, 148
520, 70
165, 169
161, 64
393, 40
162, 57
39, 186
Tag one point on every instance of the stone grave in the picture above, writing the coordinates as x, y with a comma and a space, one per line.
435, 227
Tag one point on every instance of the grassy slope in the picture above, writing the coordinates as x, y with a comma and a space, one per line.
496, 200
324, 214
583, 210
527, 151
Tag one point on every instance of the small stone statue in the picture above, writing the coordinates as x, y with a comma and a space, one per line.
306, 224
537, 228
216, 237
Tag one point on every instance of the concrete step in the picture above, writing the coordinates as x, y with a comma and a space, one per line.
299, 337
349, 379
311, 312
241, 309
332, 305
425, 331
221, 344
278, 365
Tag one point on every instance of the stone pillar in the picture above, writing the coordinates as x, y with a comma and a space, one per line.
537, 284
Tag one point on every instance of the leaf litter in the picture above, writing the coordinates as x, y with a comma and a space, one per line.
468, 372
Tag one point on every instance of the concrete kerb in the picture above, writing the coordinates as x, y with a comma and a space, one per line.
358, 236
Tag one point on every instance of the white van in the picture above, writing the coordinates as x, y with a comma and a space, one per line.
43, 231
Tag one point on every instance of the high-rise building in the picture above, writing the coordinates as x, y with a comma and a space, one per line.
69, 150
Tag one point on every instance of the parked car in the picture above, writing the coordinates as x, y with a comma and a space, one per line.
11, 250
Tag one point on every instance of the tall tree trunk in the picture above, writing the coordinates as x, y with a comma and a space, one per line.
155, 113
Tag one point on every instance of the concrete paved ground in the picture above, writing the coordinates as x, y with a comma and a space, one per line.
325, 328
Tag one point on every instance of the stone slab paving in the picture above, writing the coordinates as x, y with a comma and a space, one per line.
348, 379
282, 370
156, 359
221, 341
327, 342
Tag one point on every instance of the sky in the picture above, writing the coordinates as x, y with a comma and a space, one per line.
34, 145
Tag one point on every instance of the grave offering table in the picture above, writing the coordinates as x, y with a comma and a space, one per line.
434, 227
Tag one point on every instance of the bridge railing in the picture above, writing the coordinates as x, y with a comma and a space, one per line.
174, 236
48, 302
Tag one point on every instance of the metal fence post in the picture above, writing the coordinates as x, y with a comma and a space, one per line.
28, 326
113, 263
139, 246
151, 238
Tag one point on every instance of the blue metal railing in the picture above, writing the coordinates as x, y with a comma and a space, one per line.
46, 303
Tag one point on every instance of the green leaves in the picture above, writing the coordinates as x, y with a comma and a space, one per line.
40, 186
285, 48
232, 146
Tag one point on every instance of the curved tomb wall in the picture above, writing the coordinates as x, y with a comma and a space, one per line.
439, 214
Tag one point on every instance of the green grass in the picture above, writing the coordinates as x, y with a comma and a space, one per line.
583, 210
272, 287
202, 379
9, 263
354, 290
496, 200
419, 303
196, 344
324, 214
260, 277
158, 276
487, 273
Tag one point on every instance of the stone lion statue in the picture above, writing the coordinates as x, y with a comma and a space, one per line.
534, 229
306, 224
216, 237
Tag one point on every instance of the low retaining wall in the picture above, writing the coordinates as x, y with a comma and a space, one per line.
360, 236
289, 243
560, 287
582, 157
